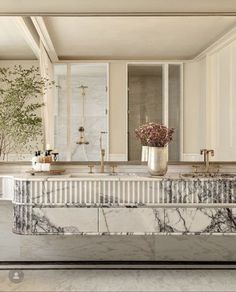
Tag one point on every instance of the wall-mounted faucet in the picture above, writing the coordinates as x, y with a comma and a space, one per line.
102, 152
206, 153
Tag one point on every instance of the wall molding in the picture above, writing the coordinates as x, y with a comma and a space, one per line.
192, 157
223, 41
117, 157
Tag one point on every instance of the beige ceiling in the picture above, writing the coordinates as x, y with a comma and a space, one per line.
135, 37
121, 38
114, 6
12, 42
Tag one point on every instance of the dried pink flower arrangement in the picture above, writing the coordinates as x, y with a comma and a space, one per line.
154, 134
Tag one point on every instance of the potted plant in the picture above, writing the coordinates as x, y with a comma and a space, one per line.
21, 92
156, 137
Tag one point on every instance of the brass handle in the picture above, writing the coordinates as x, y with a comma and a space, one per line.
113, 167
90, 168
202, 151
195, 168
211, 152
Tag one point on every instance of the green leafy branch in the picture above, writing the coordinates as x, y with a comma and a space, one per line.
21, 92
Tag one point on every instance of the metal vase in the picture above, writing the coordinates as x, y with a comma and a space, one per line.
145, 150
157, 160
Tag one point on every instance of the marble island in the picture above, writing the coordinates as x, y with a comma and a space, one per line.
125, 204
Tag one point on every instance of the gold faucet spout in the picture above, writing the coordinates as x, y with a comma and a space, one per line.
102, 160
206, 153
102, 152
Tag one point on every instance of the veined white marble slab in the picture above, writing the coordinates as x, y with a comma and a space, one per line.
74, 204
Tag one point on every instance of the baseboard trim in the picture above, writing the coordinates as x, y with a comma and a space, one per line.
118, 265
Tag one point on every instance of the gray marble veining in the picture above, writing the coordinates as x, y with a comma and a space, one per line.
125, 206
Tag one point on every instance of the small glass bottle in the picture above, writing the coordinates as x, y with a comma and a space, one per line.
34, 160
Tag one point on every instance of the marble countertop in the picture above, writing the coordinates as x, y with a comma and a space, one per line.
144, 176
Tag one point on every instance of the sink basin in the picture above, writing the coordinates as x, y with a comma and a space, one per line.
90, 175
208, 175
98, 174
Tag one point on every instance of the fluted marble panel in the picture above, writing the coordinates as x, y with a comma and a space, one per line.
56, 206
134, 190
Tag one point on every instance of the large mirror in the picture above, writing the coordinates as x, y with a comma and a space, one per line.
106, 76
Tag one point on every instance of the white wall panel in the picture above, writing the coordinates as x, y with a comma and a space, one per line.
210, 104
221, 100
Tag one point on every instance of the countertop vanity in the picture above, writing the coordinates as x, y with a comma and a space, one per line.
124, 203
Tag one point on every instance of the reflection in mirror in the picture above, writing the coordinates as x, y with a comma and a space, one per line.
21, 121
60, 110
180, 71
174, 113
81, 111
154, 95
145, 95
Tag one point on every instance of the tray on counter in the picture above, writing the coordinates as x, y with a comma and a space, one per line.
50, 172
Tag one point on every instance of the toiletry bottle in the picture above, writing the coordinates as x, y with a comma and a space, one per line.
46, 156
34, 160
49, 156
40, 157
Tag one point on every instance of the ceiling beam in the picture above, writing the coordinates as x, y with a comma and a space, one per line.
43, 33
28, 31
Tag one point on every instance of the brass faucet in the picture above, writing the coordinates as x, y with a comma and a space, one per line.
206, 153
102, 153
102, 160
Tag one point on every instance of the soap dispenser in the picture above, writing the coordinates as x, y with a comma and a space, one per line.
35, 160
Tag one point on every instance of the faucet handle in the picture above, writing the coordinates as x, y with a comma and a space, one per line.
113, 167
195, 168
203, 151
211, 151
91, 168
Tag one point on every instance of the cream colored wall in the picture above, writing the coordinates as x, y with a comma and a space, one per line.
210, 104
221, 102
194, 108
118, 110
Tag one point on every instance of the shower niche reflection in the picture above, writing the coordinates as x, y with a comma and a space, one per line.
81, 99
154, 95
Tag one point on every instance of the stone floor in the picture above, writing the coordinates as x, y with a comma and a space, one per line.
121, 280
